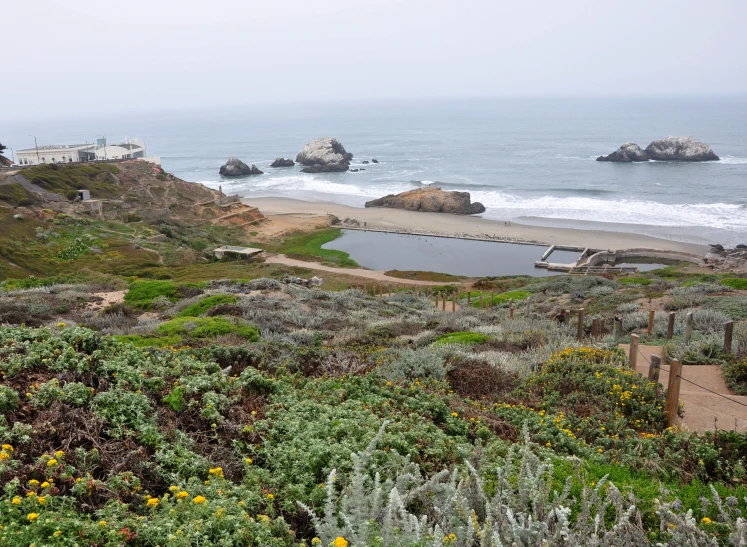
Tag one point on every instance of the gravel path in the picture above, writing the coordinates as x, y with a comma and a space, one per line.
355, 272
704, 411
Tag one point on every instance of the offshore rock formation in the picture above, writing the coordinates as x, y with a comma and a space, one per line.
282, 162
430, 200
325, 155
680, 149
234, 167
667, 149
628, 152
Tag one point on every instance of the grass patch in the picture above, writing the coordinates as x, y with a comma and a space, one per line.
466, 338
16, 195
424, 276
309, 246
199, 308
208, 327
502, 298
739, 283
142, 293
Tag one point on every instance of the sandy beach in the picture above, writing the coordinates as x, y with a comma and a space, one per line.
465, 226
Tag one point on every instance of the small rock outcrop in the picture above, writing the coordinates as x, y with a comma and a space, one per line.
628, 152
680, 149
326, 155
666, 149
374, 160
282, 162
430, 200
234, 167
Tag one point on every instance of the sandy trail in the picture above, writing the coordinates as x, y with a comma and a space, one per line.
108, 298
355, 272
703, 410
457, 225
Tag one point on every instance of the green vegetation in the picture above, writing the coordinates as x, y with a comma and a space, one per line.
149, 341
466, 338
67, 179
16, 195
739, 283
424, 276
635, 281
207, 327
206, 304
142, 293
309, 246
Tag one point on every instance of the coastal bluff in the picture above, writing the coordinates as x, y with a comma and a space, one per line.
666, 149
430, 200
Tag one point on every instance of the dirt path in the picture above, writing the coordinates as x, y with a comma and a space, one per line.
355, 272
701, 406
108, 298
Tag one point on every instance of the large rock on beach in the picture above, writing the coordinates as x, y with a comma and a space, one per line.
430, 200
282, 162
326, 155
680, 149
628, 152
234, 167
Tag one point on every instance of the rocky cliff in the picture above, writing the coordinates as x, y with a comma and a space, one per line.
628, 152
430, 200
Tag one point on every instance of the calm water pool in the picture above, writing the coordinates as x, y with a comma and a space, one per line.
384, 251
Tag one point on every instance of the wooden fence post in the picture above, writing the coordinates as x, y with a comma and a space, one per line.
511, 308
469, 299
670, 326
633, 354
453, 302
443, 302
492, 296
436, 293
594, 328
650, 328
673, 391
580, 334
616, 330
688, 328
654, 368
728, 333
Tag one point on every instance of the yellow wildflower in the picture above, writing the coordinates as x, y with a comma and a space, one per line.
706, 521
59, 453
270, 497
454, 414
152, 502
248, 460
4, 455
102, 523
52, 462
340, 542
217, 471
548, 444
316, 541
32, 516
45, 484
42, 500
173, 488
33, 482
181, 495
16, 501
199, 499
61, 325
7, 448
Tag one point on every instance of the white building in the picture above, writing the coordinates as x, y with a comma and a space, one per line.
63, 153
128, 150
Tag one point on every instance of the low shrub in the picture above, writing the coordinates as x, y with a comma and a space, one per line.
635, 281
735, 373
140, 341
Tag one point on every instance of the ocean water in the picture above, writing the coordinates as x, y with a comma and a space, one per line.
529, 161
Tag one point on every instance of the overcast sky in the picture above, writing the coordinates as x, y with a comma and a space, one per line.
62, 57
